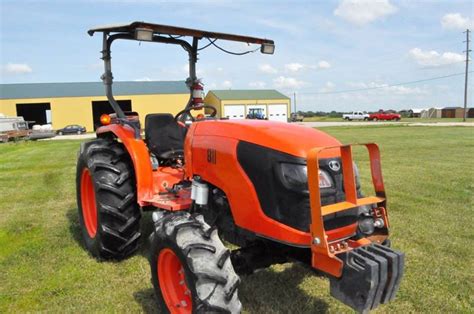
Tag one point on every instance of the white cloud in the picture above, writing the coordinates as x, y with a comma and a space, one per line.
288, 82
384, 88
143, 79
328, 87
267, 68
226, 84
200, 72
403, 90
17, 68
324, 64
95, 66
294, 67
213, 85
258, 84
434, 58
456, 21
361, 12
280, 25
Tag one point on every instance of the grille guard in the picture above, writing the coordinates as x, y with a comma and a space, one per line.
324, 253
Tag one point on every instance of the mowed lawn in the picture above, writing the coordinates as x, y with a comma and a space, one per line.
429, 181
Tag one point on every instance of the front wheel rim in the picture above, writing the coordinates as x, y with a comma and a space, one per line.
171, 277
88, 203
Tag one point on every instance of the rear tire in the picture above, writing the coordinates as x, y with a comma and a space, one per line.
109, 215
191, 268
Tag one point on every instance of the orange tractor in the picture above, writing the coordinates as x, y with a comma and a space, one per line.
278, 191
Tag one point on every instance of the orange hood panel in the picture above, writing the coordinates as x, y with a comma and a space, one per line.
289, 138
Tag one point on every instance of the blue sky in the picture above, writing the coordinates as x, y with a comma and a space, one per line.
322, 47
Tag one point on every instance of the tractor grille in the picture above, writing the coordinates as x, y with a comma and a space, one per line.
287, 206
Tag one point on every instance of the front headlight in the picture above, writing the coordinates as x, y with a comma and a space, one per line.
295, 177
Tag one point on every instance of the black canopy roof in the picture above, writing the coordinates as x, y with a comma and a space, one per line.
176, 31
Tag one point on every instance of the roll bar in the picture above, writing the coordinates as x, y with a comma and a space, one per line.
142, 31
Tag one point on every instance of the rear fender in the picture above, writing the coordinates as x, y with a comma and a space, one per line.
139, 155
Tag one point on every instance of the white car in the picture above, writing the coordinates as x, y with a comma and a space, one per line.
356, 115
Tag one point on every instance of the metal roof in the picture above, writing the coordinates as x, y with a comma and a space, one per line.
86, 89
248, 94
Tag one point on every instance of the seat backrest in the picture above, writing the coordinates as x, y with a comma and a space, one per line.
163, 134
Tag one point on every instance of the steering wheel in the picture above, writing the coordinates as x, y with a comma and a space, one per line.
187, 112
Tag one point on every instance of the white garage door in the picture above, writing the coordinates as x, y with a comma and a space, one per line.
234, 112
278, 112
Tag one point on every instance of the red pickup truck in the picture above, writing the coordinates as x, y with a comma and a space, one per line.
384, 116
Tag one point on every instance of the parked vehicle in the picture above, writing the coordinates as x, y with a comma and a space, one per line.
356, 115
256, 113
296, 117
384, 116
13, 128
280, 192
72, 129
40, 132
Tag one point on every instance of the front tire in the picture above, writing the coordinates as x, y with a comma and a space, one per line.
191, 268
109, 215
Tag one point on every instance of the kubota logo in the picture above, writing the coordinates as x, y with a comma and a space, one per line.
334, 165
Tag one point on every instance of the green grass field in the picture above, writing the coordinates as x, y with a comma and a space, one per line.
430, 186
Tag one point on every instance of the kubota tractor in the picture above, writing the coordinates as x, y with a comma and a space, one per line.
278, 191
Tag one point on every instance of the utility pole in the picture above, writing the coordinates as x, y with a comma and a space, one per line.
294, 101
466, 75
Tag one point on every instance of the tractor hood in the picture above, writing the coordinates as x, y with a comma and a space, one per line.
289, 138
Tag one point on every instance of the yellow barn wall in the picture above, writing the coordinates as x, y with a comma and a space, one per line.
212, 100
8, 107
78, 110
164, 103
72, 110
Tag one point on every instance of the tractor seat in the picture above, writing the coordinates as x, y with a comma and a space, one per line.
164, 136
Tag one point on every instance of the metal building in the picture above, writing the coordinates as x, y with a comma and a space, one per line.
62, 104
237, 104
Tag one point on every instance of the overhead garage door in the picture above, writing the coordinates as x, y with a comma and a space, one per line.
278, 112
234, 112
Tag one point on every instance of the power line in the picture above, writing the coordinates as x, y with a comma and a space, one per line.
466, 75
384, 86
